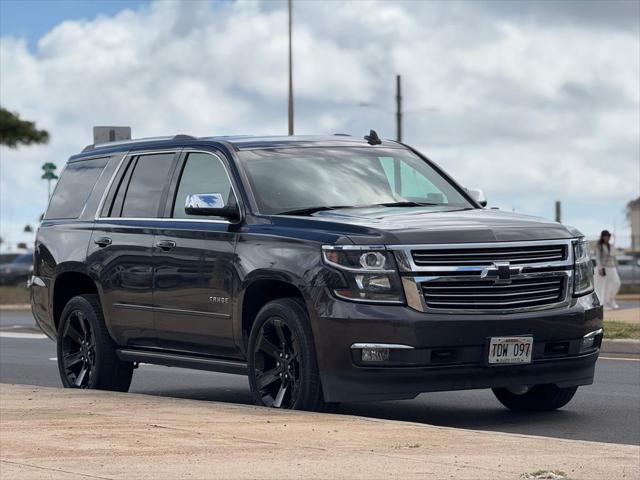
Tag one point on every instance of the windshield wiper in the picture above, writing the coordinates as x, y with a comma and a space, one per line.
408, 204
312, 210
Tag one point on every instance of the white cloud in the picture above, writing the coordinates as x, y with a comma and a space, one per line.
530, 110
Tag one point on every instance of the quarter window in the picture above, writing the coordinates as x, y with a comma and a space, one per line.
75, 186
202, 173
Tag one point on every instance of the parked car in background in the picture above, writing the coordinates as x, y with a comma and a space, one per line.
18, 271
6, 258
629, 270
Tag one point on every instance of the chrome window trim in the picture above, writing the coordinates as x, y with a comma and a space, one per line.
97, 216
108, 188
160, 219
404, 256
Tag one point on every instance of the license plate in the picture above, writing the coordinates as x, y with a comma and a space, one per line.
510, 350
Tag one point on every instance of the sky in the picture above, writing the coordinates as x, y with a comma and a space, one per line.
531, 101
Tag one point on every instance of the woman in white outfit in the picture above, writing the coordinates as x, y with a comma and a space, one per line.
607, 279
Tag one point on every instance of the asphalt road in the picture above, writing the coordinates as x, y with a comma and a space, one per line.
607, 411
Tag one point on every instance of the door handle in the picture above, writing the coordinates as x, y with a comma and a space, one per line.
102, 241
166, 245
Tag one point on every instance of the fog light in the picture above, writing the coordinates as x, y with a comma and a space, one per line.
591, 340
375, 354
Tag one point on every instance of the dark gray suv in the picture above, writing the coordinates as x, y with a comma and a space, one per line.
327, 269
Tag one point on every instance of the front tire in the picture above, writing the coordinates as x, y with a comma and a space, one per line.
283, 370
539, 398
86, 353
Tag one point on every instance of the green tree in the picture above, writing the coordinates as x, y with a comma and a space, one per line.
14, 132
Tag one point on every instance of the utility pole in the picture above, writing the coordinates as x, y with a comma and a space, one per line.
558, 211
398, 109
290, 75
397, 173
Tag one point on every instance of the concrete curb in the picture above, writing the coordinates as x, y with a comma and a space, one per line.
15, 306
622, 346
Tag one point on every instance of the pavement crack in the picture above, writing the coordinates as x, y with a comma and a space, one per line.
87, 475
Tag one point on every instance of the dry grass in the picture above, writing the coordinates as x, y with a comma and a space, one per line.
614, 329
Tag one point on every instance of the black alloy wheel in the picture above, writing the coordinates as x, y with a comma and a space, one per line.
283, 370
87, 355
276, 357
78, 350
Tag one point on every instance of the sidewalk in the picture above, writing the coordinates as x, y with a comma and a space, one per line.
627, 315
48, 433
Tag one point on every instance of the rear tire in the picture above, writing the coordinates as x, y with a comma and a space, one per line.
86, 352
283, 370
540, 398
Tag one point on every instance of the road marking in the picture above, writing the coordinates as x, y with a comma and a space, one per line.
622, 359
33, 336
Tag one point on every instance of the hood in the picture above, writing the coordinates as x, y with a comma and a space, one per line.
428, 225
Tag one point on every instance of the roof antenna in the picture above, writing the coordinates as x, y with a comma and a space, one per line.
373, 138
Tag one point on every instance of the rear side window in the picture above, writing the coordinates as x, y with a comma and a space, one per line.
140, 193
74, 187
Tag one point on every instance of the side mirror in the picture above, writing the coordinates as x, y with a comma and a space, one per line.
210, 205
477, 195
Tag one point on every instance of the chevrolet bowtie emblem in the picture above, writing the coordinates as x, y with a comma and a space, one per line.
500, 272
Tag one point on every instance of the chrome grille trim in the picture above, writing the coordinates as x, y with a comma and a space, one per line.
475, 256
516, 302
456, 283
494, 295
409, 256
482, 298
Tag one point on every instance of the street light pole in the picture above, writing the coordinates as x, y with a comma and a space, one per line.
48, 175
290, 75
398, 109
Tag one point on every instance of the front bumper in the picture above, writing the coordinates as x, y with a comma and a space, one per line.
450, 351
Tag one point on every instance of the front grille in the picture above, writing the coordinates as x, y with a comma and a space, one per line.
488, 255
482, 294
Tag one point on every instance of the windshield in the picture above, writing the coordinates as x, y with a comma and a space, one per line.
289, 180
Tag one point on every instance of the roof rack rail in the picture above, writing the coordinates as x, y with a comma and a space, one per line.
341, 135
182, 136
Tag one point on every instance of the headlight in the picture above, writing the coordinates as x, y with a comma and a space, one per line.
370, 273
582, 269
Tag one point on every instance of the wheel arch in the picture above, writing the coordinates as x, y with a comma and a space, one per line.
66, 285
257, 292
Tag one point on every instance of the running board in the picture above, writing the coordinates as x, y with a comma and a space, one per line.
183, 361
